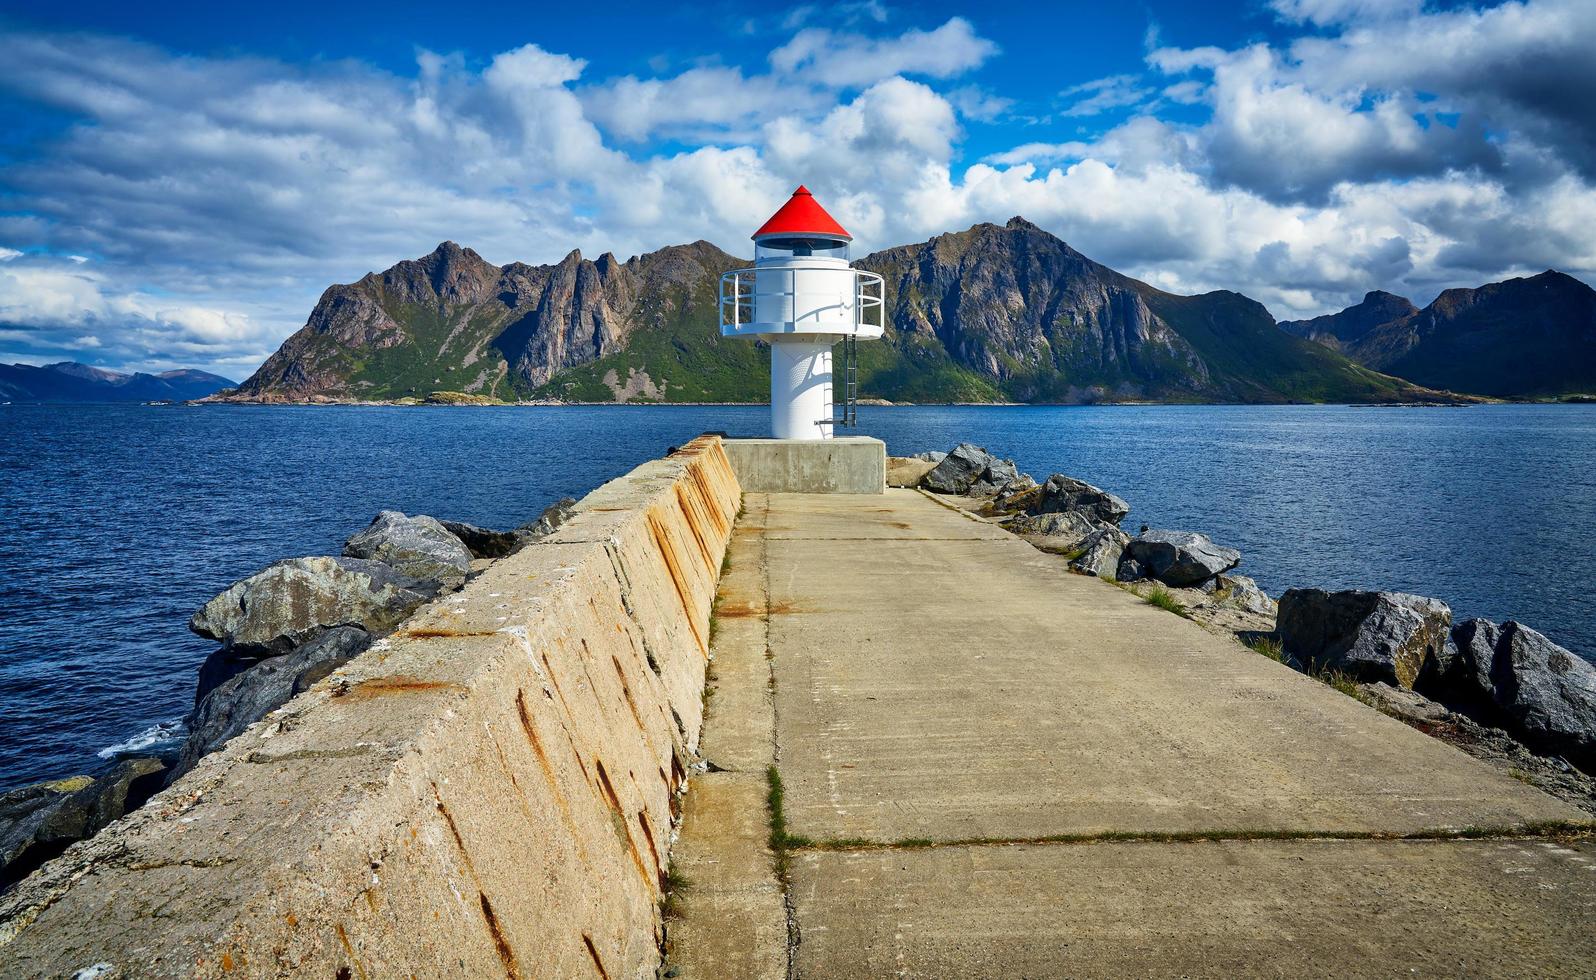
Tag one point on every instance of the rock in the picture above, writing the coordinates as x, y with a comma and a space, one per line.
1241, 592
1101, 552
999, 476
1181, 558
40, 821
1130, 570
289, 603
247, 698
907, 471
1023, 496
419, 547
933, 457
1063, 493
1529, 685
1374, 636
1058, 533
547, 523
218, 668
481, 542
960, 470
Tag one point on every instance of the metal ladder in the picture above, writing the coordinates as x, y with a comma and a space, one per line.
850, 381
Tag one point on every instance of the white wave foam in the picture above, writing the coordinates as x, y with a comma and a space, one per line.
157, 736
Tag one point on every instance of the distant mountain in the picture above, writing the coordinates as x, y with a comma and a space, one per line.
995, 313
1520, 338
69, 381
1337, 330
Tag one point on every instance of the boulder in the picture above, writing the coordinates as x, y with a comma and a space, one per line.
547, 523
216, 669
1023, 496
247, 698
289, 603
1529, 685
933, 457
1373, 636
1063, 493
481, 542
419, 547
999, 476
1181, 558
40, 821
907, 471
1101, 553
1130, 570
960, 470
1059, 533
1241, 592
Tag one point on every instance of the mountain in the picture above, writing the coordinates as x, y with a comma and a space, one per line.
1526, 337
69, 381
994, 313
1338, 330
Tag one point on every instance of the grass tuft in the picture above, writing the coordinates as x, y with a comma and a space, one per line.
781, 842
675, 886
1267, 646
1165, 600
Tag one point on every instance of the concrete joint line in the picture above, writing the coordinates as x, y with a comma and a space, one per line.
1559, 831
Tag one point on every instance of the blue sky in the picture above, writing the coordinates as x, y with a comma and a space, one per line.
178, 185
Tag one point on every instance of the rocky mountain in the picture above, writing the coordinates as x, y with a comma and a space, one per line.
69, 381
1519, 338
1338, 330
995, 313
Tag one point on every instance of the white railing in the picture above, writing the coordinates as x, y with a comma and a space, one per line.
738, 289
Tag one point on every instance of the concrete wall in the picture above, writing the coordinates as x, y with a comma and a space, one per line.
489, 792
852, 464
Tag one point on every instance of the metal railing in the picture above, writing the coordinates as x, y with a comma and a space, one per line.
738, 288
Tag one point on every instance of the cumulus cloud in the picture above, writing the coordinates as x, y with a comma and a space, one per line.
217, 197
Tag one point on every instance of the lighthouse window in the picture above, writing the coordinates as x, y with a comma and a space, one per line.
782, 248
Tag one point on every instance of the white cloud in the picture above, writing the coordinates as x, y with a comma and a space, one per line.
219, 196
844, 60
1103, 94
1331, 12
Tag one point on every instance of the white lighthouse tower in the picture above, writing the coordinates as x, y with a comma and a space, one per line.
803, 297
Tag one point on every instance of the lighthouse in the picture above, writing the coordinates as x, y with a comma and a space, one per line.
803, 298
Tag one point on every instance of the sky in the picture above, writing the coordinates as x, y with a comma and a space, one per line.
180, 181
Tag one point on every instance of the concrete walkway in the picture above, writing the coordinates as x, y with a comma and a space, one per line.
991, 767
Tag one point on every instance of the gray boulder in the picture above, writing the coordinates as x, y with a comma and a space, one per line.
1101, 552
1241, 592
1181, 558
481, 542
1130, 570
247, 697
1063, 493
931, 457
1373, 636
553, 516
1061, 533
40, 821
1531, 686
961, 469
289, 603
420, 547
1000, 476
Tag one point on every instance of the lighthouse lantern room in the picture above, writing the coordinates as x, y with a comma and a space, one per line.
803, 298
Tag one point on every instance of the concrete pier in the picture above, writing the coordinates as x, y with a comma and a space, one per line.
991, 767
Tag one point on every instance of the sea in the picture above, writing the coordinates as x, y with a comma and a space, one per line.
117, 522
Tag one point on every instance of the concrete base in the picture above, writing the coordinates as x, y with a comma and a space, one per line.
853, 464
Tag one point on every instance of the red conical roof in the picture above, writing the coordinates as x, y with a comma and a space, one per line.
802, 215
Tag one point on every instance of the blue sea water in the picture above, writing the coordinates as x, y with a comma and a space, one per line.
117, 522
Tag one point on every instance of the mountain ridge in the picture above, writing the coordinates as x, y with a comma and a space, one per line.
71, 381
1532, 336
993, 313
